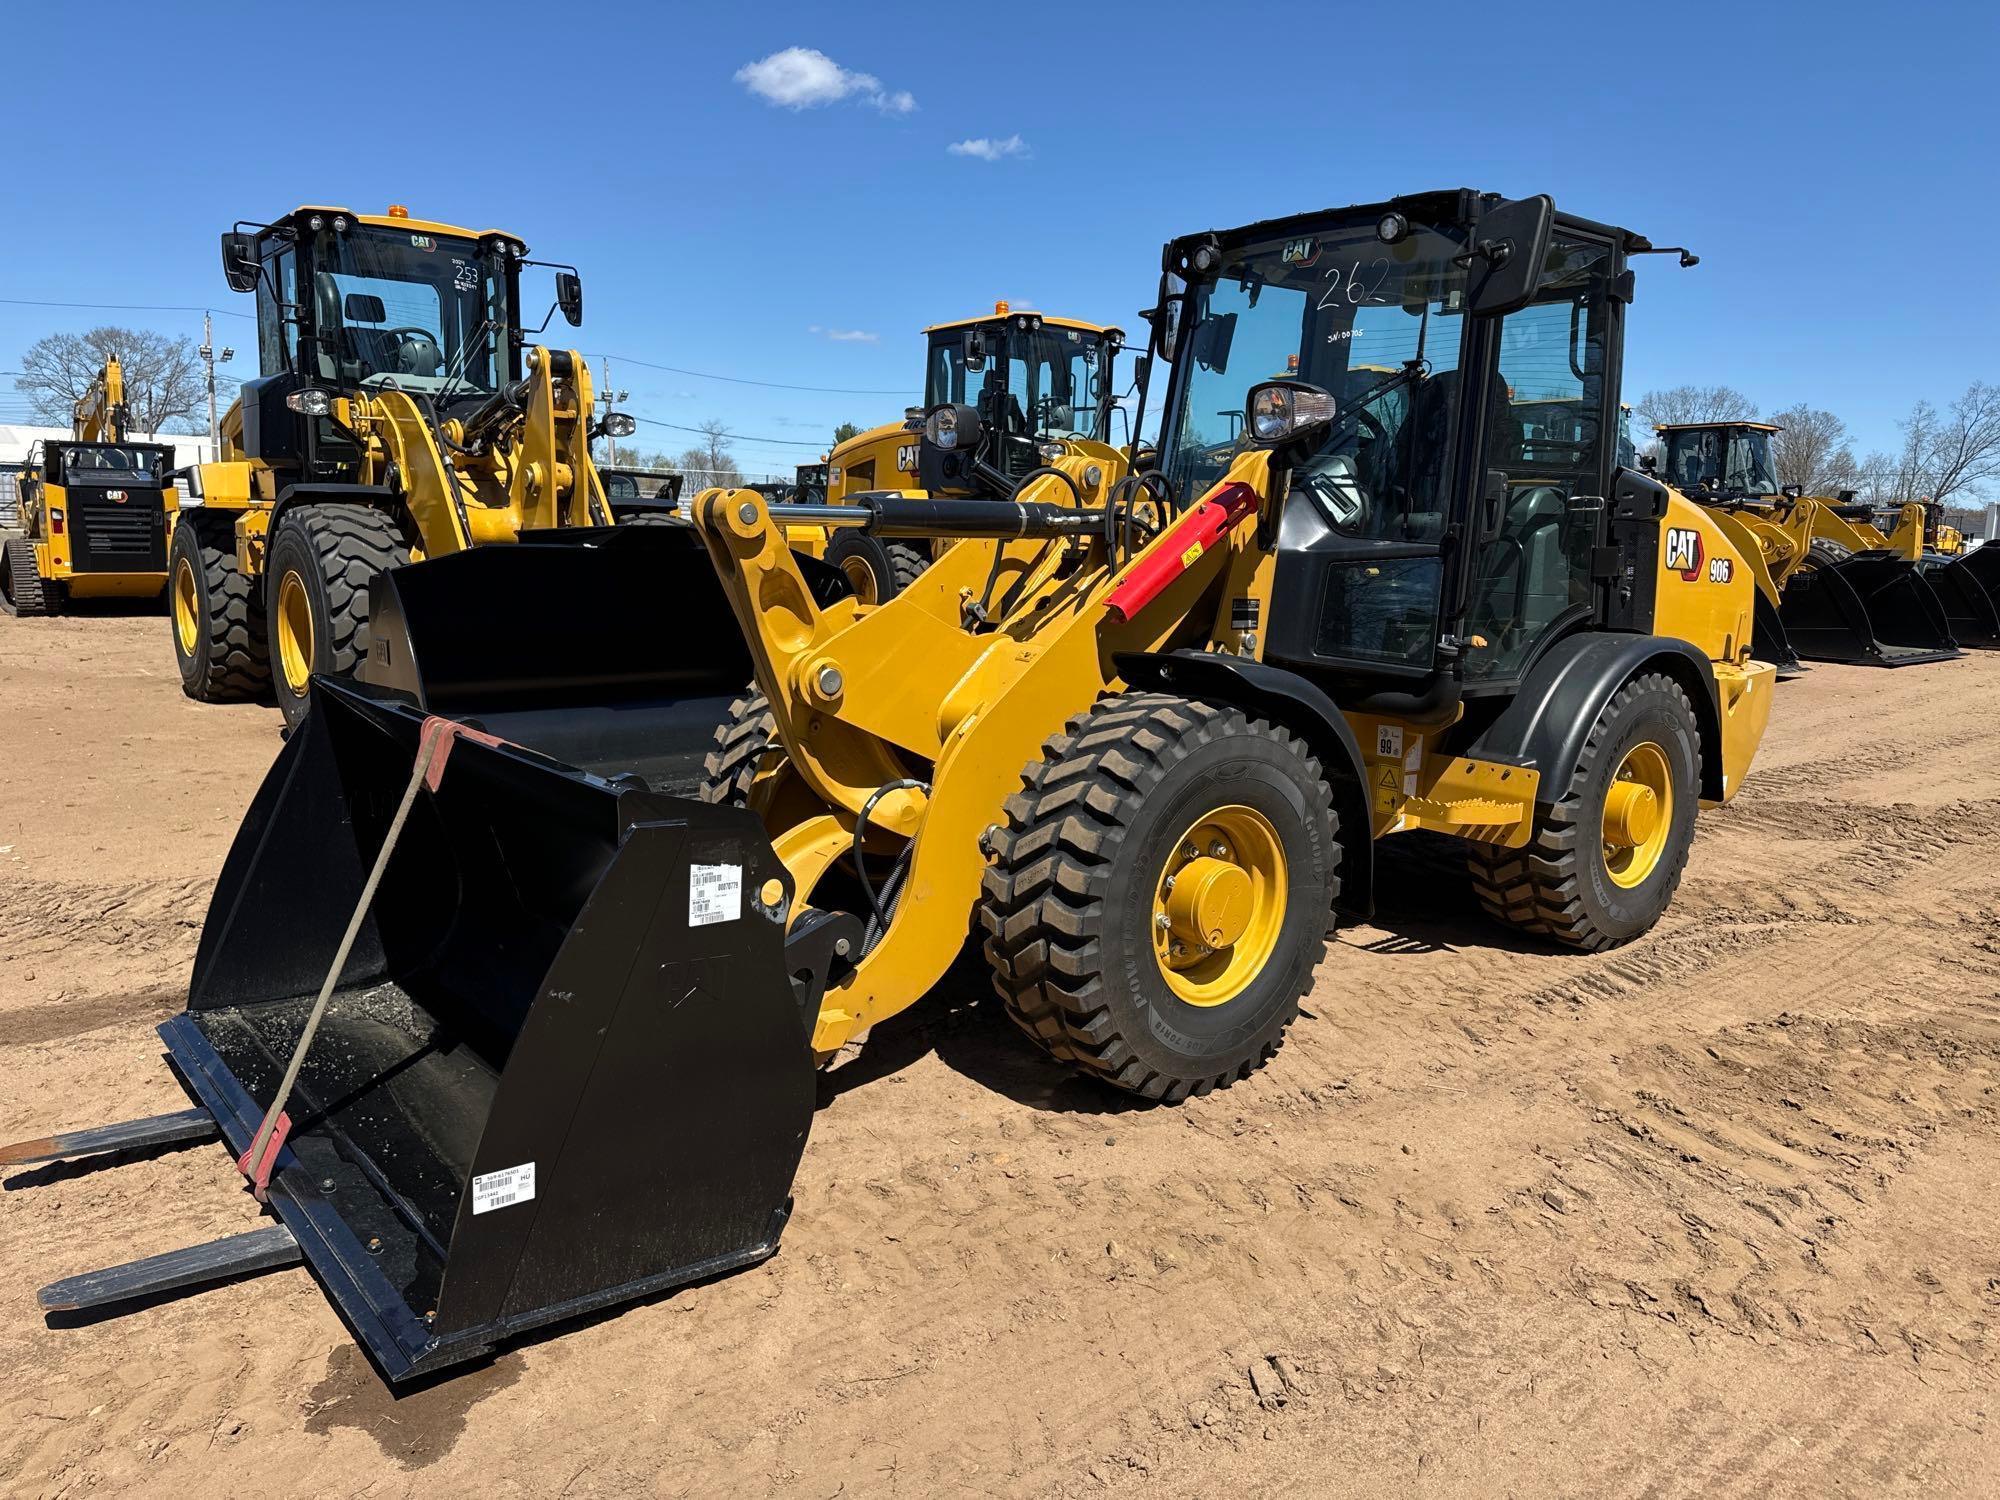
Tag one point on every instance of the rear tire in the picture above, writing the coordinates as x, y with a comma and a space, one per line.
876, 570
745, 745
1565, 883
1075, 934
316, 594
216, 616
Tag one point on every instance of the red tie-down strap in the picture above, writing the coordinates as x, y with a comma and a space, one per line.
1182, 546
434, 742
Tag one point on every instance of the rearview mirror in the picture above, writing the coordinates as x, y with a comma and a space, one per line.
363, 307
239, 262
975, 352
569, 296
1506, 258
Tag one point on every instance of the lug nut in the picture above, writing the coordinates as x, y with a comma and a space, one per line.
1188, 850
1218, 850
1163, 921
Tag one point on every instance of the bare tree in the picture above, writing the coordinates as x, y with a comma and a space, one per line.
1695, 403
1812, 451
1953, 452
709, 463
1876, 480
163, 376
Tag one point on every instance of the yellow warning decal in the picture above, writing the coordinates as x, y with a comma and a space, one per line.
1188, 557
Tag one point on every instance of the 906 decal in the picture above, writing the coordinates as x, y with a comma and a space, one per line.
1685, 556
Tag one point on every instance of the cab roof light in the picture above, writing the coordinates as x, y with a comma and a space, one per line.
397, 211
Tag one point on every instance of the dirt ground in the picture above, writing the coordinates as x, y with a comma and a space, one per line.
1709, 1215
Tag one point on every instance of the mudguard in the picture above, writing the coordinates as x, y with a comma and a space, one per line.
1286, 698
1556, 706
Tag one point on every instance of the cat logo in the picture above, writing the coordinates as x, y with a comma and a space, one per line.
906, 457
1684, 552
1300, 252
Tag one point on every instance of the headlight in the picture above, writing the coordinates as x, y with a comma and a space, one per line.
618, 424
1050, 452
1282, 410
310, 403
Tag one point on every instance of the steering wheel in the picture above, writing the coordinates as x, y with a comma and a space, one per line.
405, 336
1377, 433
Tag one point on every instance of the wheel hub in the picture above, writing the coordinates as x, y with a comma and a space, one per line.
1219, 905
295, 632
1638, 814
1209, 903
186, 612
1631, 814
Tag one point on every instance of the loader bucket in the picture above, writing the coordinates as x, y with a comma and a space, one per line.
1871, 609
612, 649
1969, 604
566, 1064
1772, 642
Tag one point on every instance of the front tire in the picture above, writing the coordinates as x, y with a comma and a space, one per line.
875, 569
216, 615
1161, 892
746, 744
316, 594
1606, 859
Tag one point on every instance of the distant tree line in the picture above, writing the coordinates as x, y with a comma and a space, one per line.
164, 386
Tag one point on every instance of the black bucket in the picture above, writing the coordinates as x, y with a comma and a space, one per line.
1770, 640
1871, 609
565, 1066
1963, 588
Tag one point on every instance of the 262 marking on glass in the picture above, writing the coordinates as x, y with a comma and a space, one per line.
1345, 288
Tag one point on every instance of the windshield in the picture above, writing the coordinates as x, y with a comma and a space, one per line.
1056, 380
1738, 460
1378, 325
109, 464
405, 308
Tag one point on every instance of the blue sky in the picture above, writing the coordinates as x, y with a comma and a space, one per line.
1833, 164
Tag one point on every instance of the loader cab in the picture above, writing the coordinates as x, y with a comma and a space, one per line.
1031, 380
1440, 373
1726, 460
354, 304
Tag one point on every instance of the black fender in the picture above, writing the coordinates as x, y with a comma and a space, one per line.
1557, 704
1286, 698
377, 496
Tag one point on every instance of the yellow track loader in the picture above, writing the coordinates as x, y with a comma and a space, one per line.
95, 512
1830, 586
502, 1031
1042, 388
399, 414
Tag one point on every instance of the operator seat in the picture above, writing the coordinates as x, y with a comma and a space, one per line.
417, 355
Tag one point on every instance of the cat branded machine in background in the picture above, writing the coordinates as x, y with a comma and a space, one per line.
95, 511
1830, 585
503, 1033
1043, 388
400, 412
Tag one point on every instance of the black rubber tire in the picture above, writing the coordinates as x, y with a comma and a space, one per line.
654, 518
23, 590
744, 745
1557, 885
227, 664
893, 566
335, 550
1066, 906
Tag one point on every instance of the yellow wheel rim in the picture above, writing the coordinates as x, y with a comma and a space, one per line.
187, 610
1219, 905
295, 632
861, 578
1638, 815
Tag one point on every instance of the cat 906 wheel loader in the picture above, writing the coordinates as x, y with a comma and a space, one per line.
1830, 586
566, 1057
1043, 388
95, 512
400, 413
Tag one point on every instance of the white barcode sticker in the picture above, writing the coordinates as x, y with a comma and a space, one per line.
715, 894
504, 1188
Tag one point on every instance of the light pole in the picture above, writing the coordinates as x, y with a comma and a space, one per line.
608, 400
209, 358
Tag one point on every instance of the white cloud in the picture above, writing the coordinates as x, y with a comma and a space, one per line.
803, 78
847, 335
989, 150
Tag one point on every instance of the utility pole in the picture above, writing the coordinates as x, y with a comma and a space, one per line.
608, 400
209, 358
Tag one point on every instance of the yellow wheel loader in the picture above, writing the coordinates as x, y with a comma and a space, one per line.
1043, 388
1831, 587
399, 413
95, 511
502, 1031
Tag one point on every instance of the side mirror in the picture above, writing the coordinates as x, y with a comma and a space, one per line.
1507, 255
569, 296
975, 352
1283, 412
954, 429
1165, 323
239, 262
363, 307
